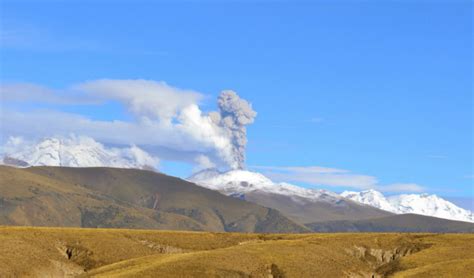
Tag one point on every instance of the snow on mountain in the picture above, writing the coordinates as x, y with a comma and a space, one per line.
372, 198
74, 152
240, 182
430, 205
237, 182
424, 204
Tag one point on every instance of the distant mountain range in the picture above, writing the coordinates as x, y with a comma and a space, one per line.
94, 204
302, 204
77, 152
257, 188
424, 204
132, 198
126, 198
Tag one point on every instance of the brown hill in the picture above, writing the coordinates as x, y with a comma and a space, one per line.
126, 198
304, 210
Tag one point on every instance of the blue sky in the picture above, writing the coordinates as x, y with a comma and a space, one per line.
377, 88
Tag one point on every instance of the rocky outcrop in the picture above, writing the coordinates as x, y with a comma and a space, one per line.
382, 261
78, 255
162, 249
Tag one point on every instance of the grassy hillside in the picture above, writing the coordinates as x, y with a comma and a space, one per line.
129, 198
126, 198
37, 251
395, 223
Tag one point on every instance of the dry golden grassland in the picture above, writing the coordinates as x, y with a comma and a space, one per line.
27, 251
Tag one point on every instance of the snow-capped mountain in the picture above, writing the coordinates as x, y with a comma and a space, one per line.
240, 182
74, 152
237, 182
301, 204
370, 197
424, 204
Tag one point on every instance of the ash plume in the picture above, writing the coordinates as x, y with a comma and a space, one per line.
165, 120
234, 114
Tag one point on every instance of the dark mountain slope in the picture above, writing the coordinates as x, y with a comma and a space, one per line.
127, 198
304, 210
300, 204
396, 223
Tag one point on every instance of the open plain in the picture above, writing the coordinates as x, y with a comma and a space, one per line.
53, 252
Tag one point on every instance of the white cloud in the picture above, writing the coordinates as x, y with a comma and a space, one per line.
203, 162
323, 176
27, 92
407, 187
13, 144
163, 117
306, 169
144, 98
329, 179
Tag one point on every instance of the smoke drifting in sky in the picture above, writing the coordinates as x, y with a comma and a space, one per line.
235, 114
162, 117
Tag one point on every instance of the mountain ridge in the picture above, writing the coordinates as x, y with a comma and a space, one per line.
75, 151
102, 197
126, 198
403, 223
246, 184
80, 151
302, 204
422, 204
